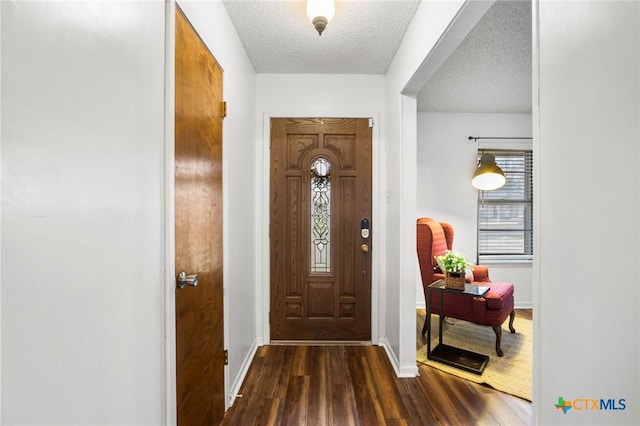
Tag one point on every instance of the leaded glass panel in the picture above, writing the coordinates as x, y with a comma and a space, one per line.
321, 215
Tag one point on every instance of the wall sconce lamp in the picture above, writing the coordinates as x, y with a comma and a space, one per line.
488, 175
320, 12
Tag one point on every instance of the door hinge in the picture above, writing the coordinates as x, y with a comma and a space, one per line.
371, 122
226, 357
224, 109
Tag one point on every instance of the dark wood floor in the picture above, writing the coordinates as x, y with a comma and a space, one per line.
356, 385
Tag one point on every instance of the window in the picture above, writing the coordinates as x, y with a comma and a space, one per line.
505, 215
321, 215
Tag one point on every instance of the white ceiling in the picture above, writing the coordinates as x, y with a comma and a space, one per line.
362, 38
489, 72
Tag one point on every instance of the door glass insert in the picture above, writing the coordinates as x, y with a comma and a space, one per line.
321, 215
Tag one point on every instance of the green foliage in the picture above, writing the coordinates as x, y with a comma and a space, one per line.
453, 262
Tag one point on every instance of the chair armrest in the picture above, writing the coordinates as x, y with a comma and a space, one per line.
479, 308
481, 273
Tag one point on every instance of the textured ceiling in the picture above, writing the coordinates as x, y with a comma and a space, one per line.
489, 72
362, 38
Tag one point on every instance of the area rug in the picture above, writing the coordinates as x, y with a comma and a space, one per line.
510, 373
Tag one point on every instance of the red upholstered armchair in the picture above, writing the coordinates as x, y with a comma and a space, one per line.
434, 239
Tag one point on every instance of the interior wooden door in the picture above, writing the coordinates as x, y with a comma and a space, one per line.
198, 229
320, 201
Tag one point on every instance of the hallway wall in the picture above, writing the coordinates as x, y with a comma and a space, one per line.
87, 264
82, 212
588, 211
431, 20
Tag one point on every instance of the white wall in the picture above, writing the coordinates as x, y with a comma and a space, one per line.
82, 212
588, 210
446, 162
422, 39
211, 21
316, 95
86, 209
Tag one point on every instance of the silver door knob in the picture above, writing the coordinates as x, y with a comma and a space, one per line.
185, 280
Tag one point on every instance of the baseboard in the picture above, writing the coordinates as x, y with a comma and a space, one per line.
242, 373
392, 357
524, 305
401, 371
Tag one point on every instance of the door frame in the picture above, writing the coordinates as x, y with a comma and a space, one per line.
169, 409
263, 217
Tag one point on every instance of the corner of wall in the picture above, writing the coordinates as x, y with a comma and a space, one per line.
242, 373
401, 371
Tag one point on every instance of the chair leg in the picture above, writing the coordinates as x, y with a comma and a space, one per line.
424, 327
498, 330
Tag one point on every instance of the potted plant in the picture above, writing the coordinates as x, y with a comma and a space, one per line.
455, 267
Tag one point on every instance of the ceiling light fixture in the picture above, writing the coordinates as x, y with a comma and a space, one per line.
320, 12
488, 175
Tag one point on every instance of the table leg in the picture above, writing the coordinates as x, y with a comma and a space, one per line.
440, 317
428, 319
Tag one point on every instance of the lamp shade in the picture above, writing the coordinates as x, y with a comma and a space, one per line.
488, 175
320, 12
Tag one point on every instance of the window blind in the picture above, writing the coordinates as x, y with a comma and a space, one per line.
505, 215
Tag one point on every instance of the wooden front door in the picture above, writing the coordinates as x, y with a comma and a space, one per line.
198, 229
320, 200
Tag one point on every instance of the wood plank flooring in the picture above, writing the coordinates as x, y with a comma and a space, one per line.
356, 385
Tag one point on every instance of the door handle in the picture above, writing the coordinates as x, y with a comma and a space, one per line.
185, 280
364, 248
